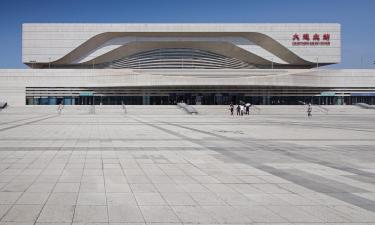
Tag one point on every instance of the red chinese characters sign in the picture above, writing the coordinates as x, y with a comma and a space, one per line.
311, 39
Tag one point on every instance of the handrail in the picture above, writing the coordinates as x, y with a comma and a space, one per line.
188, 108
322, 108
3, 105
256, 108
365, 105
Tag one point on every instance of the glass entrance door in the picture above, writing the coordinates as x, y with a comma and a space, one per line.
86, 100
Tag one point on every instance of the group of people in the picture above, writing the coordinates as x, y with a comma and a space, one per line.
245, 109
241, 109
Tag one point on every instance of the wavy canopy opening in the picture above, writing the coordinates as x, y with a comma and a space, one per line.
178, 58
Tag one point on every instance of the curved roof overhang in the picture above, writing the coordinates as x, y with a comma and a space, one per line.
224, 48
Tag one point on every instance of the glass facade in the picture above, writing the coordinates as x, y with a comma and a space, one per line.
198, 99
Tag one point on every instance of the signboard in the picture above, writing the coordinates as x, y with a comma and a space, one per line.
86, 93
327, 93
311, 39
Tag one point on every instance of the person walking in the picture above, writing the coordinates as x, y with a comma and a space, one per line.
309, 110
238, 110
60, 108
231, 108
247, 108
242, 109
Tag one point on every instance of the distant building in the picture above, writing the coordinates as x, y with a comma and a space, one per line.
195, 63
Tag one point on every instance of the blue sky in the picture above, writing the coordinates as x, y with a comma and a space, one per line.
357, 18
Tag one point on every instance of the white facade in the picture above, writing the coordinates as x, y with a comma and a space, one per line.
14, 82
266, 43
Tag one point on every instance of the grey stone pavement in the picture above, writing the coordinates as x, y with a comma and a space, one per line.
182, 169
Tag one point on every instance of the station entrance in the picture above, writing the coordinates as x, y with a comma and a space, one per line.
202, 95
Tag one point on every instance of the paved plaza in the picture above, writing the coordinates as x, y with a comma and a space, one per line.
117, 168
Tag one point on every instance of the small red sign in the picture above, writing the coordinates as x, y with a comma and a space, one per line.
295, 37
306, 37
316, 37
326, 37
314, 41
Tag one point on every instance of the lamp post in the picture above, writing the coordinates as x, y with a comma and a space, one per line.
317, 62
271, 63
49, 63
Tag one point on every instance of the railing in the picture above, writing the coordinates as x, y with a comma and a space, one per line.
365, 106
255, 108
3, 105
188, 108
322, 109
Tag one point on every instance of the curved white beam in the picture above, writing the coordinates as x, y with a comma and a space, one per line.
240, 42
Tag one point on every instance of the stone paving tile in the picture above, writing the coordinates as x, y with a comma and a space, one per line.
16, 187
53, 223
294, 214
9, 197
117, 188
66, 187
158, 214
326, 214
149, 199
169, 188
16, 223
143, 188
203, 198
138, 179
62, 199
178, 199
4, 209
69, 179
121, 199
91, 199
128, 213
260, 214
194, 215
227, 214
355, 214
90, 213
194, 188
92, 188
33, 198
234, 198
92, 179
22, 213
56, 213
